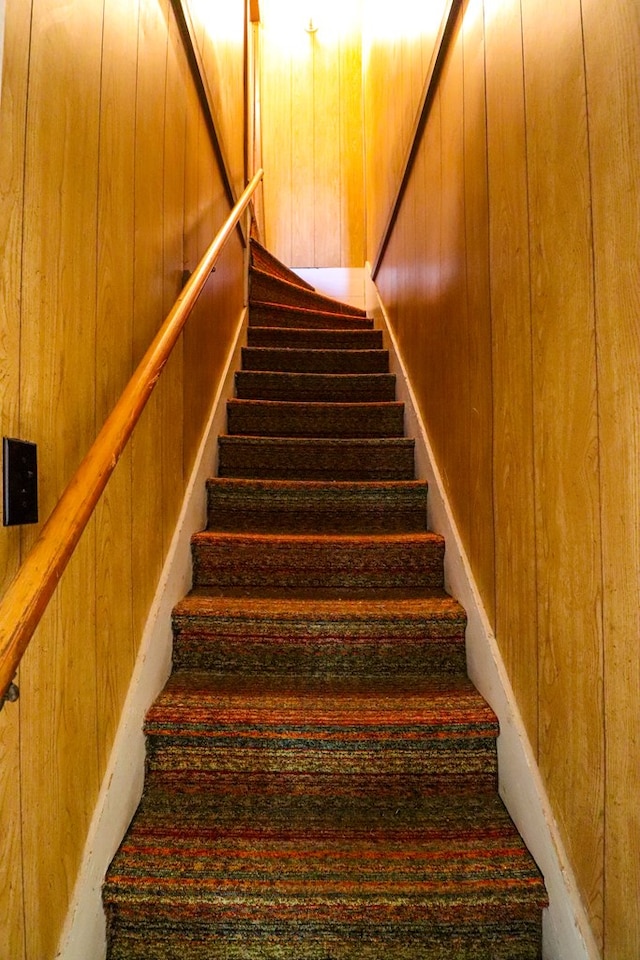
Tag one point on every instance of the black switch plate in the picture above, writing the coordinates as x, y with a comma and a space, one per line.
20, 482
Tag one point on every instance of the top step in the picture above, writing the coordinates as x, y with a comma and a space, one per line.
261, 259
266, 288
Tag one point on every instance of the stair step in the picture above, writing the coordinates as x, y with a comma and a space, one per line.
309, 339
281, 315
262, 259
302, 458
299, 419
225, 874
315, 361
439, 727
319, 634
315, 387
265, 288
271, 506
326, 560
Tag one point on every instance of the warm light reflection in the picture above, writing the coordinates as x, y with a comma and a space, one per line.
287, 23
223, 22
385, 23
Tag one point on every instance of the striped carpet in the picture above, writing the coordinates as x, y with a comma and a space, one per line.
321, 777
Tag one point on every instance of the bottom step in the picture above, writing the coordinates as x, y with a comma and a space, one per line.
209, 872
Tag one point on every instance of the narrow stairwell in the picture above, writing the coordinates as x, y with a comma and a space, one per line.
321, 774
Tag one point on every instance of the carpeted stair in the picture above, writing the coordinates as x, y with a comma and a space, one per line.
321, 775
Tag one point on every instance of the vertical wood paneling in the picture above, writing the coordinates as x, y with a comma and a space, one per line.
92, 257
551, 361
569, 572
326, 153
311, 129
398, 45
276, 143
221, 30
303, 148
12, 145
451, 434
476, 206
352, 214
147, 530
513, 471
612, 46
114, 367
58, 383
170, 386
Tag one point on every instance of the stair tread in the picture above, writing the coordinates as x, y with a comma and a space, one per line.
365, 606
321, 539
266, 314
263, 260
192, 699
264, 853
264, 285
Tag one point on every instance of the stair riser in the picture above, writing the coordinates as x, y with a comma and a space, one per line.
316, 387
208, 942
305, 508
429, 760
265, 315
301, 339
316, 460
288, 654
224, 561
315, 361
268, 289
281, 419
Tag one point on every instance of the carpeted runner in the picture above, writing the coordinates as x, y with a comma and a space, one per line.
315, 361
316, 387
262, 259
270, 418
316, 458
325, 560
321, 777
267, 314
267, 288
314, 339
288, 506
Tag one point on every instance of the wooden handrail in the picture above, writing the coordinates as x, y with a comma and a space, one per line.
29, 593
441, 47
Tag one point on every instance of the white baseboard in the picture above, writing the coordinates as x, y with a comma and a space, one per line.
567, 933
84, 933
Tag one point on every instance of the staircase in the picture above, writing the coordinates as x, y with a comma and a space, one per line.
321, 774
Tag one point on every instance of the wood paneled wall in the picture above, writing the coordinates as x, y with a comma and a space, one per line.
108, 189
312, 140
398, 44
512, 281
220, 33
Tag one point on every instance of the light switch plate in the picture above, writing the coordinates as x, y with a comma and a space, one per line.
20, 482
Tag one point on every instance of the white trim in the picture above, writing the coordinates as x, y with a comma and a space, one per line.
567, 934
84, 935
